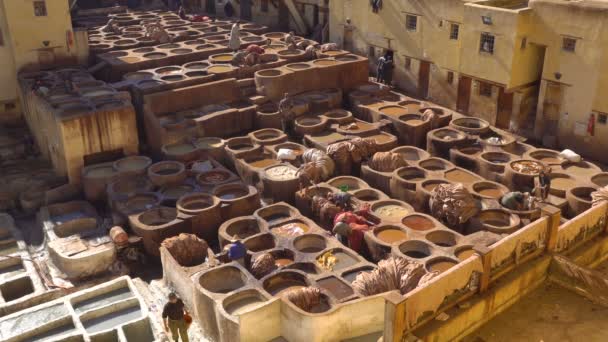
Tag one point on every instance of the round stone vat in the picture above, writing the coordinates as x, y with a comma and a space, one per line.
548, 157
275, 213
201, 65
579, 199
488, 190
464, 252
125, 186
231, 192
223, 279
339, 116
238, 229
283, 282
194, 204
138, 75
440, 264
441, 140
520, 174
140, 202
418, 222
470, 125
291, 229
368, 195
498, 221
600, 179
167, 172
268, 136
416, 249
442, 238
310, 243
242, 302
435, 164
213, 177
260, 243
221, 58
390, 235
134, 165
347, 182
394, 111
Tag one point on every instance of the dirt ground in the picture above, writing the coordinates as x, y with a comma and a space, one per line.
548, 314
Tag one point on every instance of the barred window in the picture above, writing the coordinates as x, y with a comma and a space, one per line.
454, 31
264, 5
450, 77
40, 8
411, 22
486, 43
568, 44
408, 63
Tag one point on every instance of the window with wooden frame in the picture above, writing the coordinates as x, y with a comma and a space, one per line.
408, 63
602, 118
450, 77
485, 89
411, 22
264, 5
454, 31
371, 52
40, 8
569, 44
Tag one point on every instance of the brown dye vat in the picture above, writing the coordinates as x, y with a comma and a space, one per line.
430, 186
391, 236
290, 230
208, 143
394, 110
325, 62
240, 147
260, 243
222, 58
231, 194
336, 287
141, 202
329, 137
460, 176
262, 163
491, 192
356, 126
391, 211
280, 262
528, 167
214, 176
275, 217
382, 138
415, 249
417, 222
464, 254
134, 59
243, 305
563, 183
580, 169
440, 265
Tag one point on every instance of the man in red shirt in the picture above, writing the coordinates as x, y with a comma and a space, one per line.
352, 226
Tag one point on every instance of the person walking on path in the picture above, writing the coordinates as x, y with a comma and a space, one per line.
173, 318
287, 115
380, 70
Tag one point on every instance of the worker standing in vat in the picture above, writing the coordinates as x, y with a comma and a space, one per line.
380, 70
174, 314
235, 37
544, 184
287, 114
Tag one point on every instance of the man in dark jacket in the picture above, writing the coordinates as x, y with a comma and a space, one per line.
173, 318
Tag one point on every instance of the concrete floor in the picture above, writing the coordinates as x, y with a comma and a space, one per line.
549, 313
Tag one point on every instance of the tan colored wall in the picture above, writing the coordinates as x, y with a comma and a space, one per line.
583, 72
440, 90
484, 107
8, 87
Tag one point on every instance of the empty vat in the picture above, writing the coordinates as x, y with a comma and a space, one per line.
223, 279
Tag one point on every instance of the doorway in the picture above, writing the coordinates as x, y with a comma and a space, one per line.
505, 109
464, 94
424, 74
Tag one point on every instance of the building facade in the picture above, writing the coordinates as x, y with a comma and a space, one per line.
534, 67
34, 34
